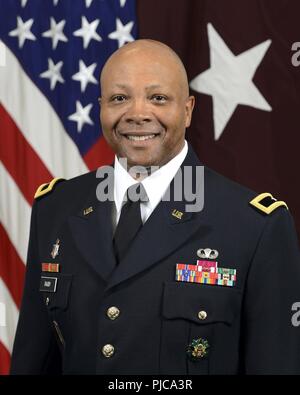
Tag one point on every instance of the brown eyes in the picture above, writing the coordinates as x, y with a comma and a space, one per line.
158, 99
118, 98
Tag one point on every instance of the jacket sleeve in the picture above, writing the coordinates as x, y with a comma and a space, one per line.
35, 349
270, 341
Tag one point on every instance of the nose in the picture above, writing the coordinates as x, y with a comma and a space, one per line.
138, 113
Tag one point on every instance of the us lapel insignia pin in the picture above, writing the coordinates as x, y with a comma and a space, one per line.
87, 210
55, 249
50, 267
177, 214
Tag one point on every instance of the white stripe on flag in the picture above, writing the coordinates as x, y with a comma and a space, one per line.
14, 212
38, 121
7, 332
2, 314
2, 54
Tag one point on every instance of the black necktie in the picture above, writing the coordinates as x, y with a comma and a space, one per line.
130, 221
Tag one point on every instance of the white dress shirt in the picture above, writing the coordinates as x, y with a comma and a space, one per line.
155, 185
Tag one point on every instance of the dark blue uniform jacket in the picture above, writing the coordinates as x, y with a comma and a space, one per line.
248, 326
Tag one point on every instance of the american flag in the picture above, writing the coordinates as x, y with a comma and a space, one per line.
51, 54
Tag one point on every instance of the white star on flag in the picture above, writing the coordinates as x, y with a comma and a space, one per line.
55, 2
81, 116
88, 31
56, 32
85, 75
229, 79
53, 73
122, 33
23, 3
22, 31
122, 3
88, 3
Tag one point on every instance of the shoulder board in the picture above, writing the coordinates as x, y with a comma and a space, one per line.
46, 188
266, 203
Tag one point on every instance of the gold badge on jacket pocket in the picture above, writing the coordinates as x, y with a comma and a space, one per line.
206, 272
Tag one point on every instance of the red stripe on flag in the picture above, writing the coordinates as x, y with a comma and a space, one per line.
99, 155
12, 269
5, 360
19, 158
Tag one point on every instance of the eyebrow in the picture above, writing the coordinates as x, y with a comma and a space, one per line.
124, 86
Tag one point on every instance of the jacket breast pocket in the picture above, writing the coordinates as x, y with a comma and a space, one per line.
194, 318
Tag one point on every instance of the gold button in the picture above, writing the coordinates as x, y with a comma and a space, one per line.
202, 315
113, 313
108, 350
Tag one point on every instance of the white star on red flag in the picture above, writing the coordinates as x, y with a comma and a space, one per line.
229, 79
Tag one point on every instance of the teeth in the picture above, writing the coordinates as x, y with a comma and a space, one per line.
141, 138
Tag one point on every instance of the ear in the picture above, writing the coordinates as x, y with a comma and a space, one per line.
189, 106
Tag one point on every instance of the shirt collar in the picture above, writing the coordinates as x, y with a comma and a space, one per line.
123, 181
155, 184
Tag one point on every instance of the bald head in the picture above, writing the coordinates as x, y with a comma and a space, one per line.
145, 52
145, 103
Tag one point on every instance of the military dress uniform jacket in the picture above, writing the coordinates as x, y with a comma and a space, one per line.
158, 325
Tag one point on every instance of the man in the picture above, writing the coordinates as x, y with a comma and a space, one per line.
155, 285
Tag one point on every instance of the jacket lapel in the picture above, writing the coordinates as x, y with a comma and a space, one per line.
166, 230
92, 233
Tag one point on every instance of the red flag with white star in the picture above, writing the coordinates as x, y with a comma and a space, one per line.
238, 55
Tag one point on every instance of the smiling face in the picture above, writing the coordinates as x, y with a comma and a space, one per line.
145, 107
